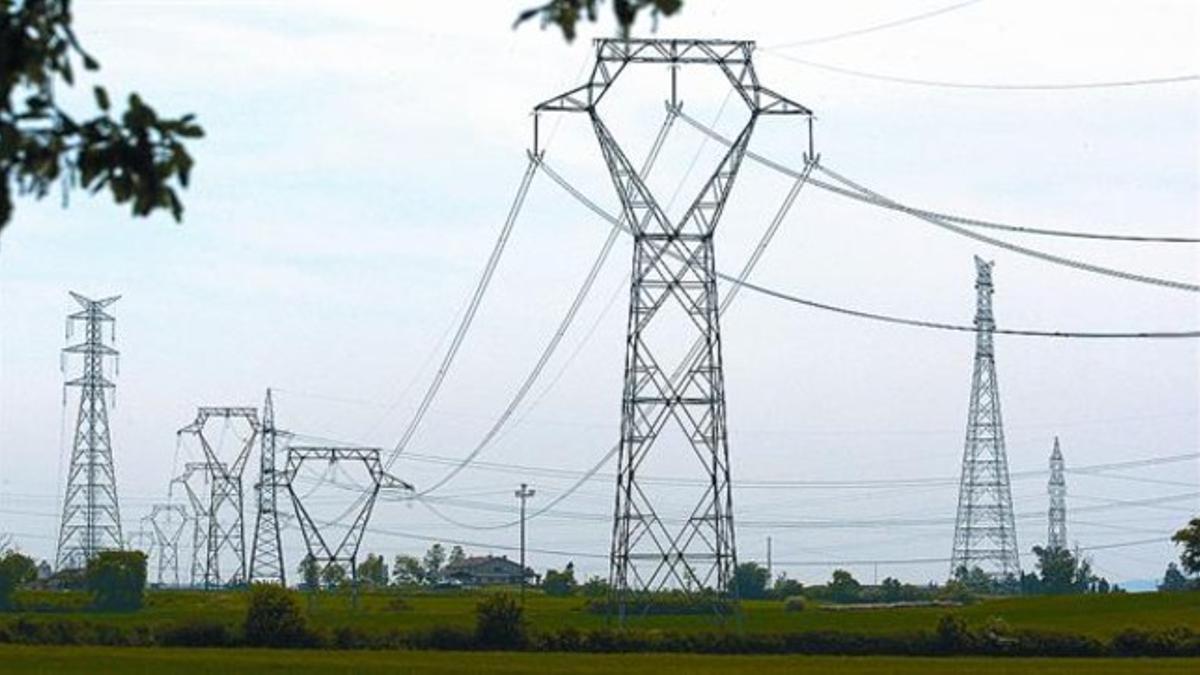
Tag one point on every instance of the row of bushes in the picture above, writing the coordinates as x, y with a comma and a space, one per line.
951, 637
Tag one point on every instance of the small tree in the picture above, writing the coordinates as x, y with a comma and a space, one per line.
499, 622
372, 572
1189, 539
594, 587
785, 587
16, 570
117, 579
310, 572
1173, 580
456, 555
333, 576
435, 557
751, 580
407, 570
560, 583
843, 587
274, 618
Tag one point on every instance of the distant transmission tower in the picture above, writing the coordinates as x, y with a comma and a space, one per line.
225, 518
1056, 537
169, 521
985, 534
91, 517
199, 516
266, 554
673, 306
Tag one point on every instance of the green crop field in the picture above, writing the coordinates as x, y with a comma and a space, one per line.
1100, 616
92, 660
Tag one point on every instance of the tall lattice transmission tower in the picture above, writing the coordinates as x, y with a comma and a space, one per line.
266, 553
674, 397
1056, 535
91, 517
985, 534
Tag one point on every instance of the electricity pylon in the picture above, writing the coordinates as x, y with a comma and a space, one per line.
673, 294
326, 552
225, 518
266, 554
1056, 536
169, 521
985, 534
199, 517
91, 517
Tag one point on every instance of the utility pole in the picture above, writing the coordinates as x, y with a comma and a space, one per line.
985, 534
677, 394
770, 573
91, 517
523, 494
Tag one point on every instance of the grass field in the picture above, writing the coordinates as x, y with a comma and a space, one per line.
1093, 615
91, 660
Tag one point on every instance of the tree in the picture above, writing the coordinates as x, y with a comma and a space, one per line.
274, 618
751, 580
843, 587
566, 14
372, 572
117, 579
594, 587
407, 570
435, 557
310, 572
16, 569
333, 576
560, 583
891, 590
137, 155
785, 587
1063, 572
456, 556
1173, 580
1189, 539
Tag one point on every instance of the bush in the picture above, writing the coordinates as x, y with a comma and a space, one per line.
196, 633
117, 580
953, 635
15, 569
1170, 642
795, 603
274, 618
500, 622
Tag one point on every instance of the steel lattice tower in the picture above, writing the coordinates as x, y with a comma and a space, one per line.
1056, 536
225, 518
985, 534
91, 517
199, 518
673, 282
266, 553
169, 521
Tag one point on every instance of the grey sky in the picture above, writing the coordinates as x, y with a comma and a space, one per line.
361, 157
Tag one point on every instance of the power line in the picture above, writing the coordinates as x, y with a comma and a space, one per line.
895, 23
994, 86
874, 316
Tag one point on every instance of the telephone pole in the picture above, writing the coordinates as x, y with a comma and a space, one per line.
91, 517
523, 494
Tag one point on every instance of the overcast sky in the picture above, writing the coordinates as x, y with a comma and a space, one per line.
359, 161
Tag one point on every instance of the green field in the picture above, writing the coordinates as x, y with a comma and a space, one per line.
89, 660
1099, 616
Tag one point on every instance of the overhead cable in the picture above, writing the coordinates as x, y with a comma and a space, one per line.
895, 23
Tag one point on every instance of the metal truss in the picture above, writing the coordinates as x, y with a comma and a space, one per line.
225, 518
91, 516
199, 517
169, 522
674, 267
266, 553
1056, 535
985, 534
143, 539
327, 552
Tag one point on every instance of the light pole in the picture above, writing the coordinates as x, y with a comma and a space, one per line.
523, 494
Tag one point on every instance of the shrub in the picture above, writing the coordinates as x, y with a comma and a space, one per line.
953, 635
274, 618
117, 580
500, 622
795, 603
15, 569
1170, 642
196, 633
